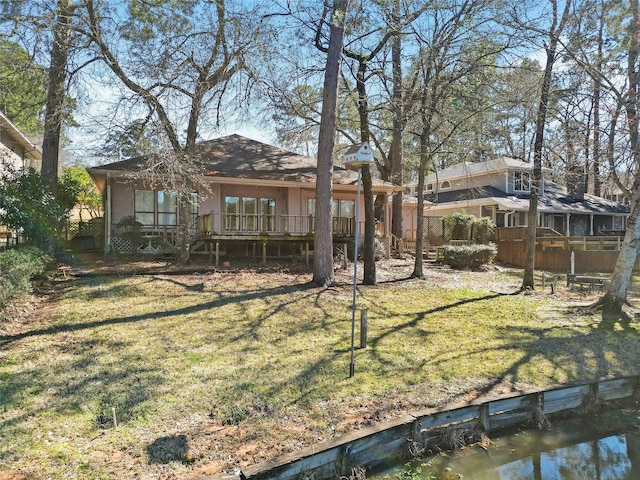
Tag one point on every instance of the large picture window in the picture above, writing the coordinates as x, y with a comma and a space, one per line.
145, 207
340, 208
342, 213
250, 214
154, 208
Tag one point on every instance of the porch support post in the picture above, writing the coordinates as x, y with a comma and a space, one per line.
306, 251
568, 232
217, 253
107, 211
387, 217
591, 224
264, 253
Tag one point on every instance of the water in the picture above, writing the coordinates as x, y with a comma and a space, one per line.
603, 447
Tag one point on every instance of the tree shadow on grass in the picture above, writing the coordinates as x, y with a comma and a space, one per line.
605, 349
233, 297
173, 448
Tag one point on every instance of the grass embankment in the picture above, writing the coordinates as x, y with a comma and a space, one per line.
211, 372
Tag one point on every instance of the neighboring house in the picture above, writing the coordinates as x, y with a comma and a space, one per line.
258, 196
500, 189
16, 152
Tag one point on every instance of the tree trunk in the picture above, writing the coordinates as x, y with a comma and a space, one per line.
419, 261
56, 93
597, 92
369, 250
398, 124
184, 224
536, 180
616, 294
323, 239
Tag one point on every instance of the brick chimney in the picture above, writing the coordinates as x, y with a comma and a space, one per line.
575, 182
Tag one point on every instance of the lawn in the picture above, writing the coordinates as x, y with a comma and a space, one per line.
206, 373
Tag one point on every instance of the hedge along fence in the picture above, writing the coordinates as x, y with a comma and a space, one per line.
374, 448
476, 232
468, 256
17, 267
463, 226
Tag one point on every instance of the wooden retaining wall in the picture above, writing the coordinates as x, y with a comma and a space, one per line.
375, 447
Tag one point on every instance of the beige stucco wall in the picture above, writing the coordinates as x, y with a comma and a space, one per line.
10, 159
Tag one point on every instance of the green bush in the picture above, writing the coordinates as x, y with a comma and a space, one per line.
17, 267
26, 205
468, 256
463, 226
457, 226
482, 230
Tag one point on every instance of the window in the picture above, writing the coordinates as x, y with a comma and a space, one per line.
429, 187
232, 213
445, 185
521, 181
618, 223
154, 208
167, 208
268, 212
343, 208
250, 214
144, 206
340, 208
194, 208
250, 217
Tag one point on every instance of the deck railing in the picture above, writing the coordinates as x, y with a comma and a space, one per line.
588, 243
267, 224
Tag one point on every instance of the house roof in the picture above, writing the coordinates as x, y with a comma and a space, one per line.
235, 156
12, 137
553, 199
466, 169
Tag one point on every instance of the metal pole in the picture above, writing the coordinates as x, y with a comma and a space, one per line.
352, 365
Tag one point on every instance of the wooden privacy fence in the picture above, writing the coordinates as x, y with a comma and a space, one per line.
375, 447
592, 254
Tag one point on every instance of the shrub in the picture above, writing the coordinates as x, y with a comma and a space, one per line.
464, 226
468, 256
482, 230
457, 226
379, 251
17, 267
27, 206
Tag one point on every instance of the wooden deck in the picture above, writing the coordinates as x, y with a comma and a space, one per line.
252, 237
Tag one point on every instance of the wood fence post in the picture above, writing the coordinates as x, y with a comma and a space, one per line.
363, 328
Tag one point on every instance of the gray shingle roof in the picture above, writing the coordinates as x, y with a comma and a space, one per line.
236, 156
553, 199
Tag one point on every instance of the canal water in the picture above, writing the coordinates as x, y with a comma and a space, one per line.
600, 447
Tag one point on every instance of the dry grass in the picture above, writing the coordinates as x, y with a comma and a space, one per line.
213, 371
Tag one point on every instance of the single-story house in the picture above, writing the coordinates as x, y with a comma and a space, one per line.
17, 153
500, 189
16, 150
251, 196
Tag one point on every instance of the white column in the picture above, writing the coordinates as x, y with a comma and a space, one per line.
107, 214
